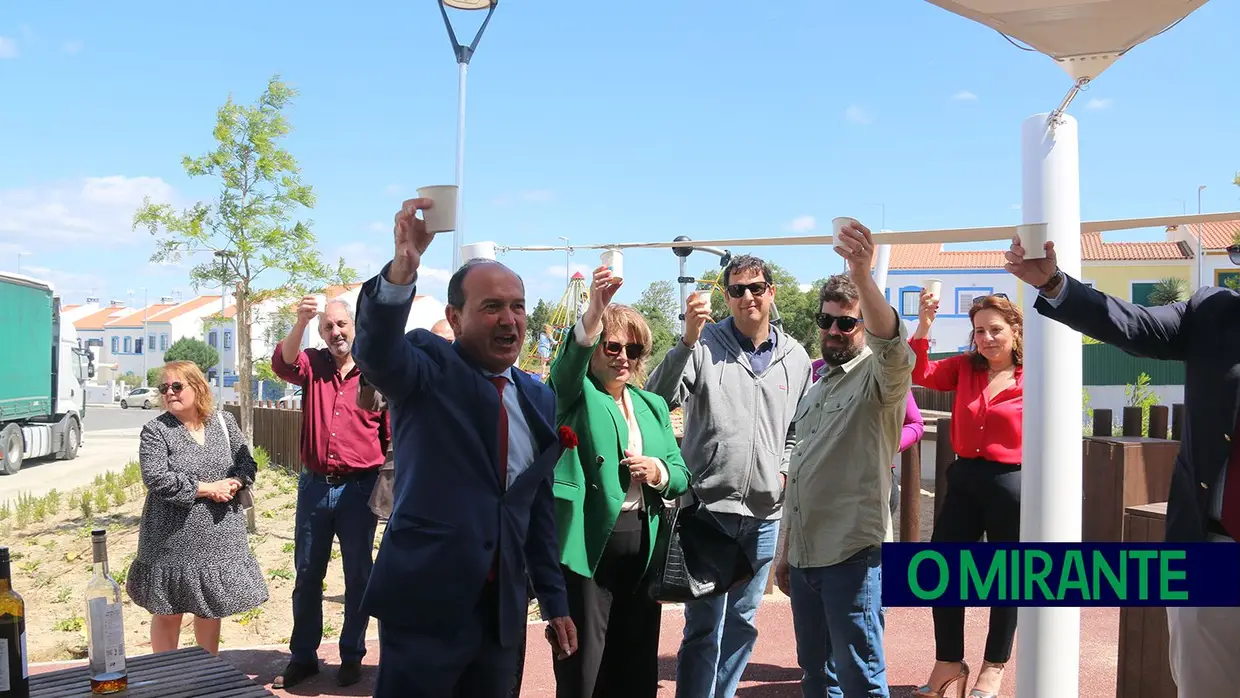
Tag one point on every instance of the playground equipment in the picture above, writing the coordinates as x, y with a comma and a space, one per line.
537, 355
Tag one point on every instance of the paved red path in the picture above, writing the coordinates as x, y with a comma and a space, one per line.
772, 671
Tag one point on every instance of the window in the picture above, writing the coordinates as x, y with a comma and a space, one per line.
228, 339
212, 340
137, 346
1227, 279
910, 303
116, 345
1141, 292
163, 342
965, 296
129, 345
151, 342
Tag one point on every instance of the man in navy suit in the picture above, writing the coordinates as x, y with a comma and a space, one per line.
473, 515
1204, 503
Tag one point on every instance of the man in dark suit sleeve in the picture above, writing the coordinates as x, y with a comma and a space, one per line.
473, 514
1204, 503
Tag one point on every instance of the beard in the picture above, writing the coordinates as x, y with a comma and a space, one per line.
838, 355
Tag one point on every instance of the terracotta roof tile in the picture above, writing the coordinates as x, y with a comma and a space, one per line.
187, 306
1214, 236
99, 318
136, 318
1093, 249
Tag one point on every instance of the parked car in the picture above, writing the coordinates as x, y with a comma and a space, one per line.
291, 401
146, 398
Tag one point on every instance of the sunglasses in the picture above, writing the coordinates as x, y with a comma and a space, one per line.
979, 299
757, 288
174, 387
632, 351
846, 323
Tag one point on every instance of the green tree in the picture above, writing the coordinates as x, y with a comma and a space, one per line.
1167, 291
1140, 394
251, 226
535, 321
660, 306
196, 350
154, 374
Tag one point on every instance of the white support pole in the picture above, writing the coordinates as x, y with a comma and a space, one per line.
458, 235
1048, 639
881, 264
685, 290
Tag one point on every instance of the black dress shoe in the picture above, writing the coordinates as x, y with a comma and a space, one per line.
294, 674
349, 673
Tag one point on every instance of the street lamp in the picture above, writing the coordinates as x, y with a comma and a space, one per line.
1084, 38
223, 256
463, 54
1200, 250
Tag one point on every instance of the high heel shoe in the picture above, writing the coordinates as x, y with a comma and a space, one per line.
979, 693
961, 679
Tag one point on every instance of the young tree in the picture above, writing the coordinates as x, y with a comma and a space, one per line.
195, 350
251, 227
660, 305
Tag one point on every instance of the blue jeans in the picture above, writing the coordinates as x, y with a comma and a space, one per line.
325, 512
837, 615
719, 631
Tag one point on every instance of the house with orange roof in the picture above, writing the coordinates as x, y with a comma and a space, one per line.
90, 330
1216, 268
137, 341
1128, 270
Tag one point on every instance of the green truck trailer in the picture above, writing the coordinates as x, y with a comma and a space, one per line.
42, 382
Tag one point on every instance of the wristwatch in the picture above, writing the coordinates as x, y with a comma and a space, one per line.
1052, 282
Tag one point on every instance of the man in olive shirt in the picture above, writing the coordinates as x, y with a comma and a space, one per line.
836, 513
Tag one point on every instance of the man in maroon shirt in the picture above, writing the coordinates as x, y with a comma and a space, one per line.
342, 448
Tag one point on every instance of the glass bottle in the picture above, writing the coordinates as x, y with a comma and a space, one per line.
14, 676
105, 629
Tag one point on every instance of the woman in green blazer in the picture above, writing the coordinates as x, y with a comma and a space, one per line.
608, 490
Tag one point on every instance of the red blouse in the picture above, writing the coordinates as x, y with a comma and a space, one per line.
981, 427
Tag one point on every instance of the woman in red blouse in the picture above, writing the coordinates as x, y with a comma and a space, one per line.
983, 483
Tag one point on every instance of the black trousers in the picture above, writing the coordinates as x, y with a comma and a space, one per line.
617, 625
982, 497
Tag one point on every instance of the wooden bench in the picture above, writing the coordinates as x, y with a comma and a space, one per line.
1144, 669
191, 672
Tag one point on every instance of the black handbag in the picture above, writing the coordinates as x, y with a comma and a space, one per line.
693, 557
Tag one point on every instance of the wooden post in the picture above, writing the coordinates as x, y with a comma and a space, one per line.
1132, 421
943, 457
1103, 422
1159, 417
1177, 421
910, 494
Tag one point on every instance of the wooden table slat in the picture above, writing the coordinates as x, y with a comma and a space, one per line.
191, 672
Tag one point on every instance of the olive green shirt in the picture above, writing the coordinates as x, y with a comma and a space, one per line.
848, 433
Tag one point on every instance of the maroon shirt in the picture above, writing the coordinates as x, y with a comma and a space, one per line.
337, 436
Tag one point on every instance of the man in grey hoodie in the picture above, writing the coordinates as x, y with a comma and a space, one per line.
739, 382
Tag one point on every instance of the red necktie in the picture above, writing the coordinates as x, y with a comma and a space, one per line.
1231, 490
502, 429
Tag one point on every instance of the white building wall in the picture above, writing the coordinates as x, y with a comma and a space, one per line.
951, 329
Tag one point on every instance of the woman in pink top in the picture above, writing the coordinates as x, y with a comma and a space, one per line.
914, 427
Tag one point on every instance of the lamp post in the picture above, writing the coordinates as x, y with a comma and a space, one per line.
463, 54
568, 256
223, 256
1200, 250
1084, 38
146, 349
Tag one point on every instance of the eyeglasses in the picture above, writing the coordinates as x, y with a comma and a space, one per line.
174, 387
757, 288
632, 351
979, 299
846, 323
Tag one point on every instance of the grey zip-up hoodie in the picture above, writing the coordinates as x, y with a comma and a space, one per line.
738, 437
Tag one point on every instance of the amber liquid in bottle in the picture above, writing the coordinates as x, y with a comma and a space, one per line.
14, 676
105, 631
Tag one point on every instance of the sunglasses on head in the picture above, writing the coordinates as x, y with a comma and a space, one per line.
174, 387
979, 299
846, 323
757, 288
632, 351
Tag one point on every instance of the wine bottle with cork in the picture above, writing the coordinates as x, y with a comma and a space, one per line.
14, 676
105, 629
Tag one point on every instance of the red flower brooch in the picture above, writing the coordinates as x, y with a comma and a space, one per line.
568, 438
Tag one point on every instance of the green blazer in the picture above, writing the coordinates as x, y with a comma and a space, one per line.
590, 484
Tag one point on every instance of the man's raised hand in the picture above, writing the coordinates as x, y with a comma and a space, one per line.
412, 239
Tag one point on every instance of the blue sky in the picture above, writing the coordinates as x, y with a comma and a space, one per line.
601, 122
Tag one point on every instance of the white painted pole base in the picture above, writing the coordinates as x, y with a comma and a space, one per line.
458, 235
1048, 640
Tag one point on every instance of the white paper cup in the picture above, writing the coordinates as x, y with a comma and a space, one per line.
320, 303
705, 294
935, 287
837, 224
1033, 239
614, 259
442, 216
